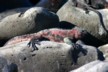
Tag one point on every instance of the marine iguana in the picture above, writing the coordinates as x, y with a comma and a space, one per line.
54, 34
57, 35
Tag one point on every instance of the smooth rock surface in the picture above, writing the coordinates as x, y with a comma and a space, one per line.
48, 59
104, 49
12, 11
51, 57
32, 20
95, 66
89, 22
52, 5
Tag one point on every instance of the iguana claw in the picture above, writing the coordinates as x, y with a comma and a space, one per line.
35, 41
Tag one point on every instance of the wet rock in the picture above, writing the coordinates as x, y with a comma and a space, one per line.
32, 20
97, 4
95, 66
104, 49
10, 68
52, 5
50, 56
89, 21
12, 11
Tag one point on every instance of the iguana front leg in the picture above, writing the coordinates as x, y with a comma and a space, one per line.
35, 41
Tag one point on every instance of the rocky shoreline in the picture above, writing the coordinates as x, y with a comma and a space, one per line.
53, 36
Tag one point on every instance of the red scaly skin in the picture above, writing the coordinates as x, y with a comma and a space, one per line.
54, 34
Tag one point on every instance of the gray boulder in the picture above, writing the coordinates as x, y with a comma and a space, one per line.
52, 5
95, 66
89, 21
32, 20
51, 57
12, 11
104, 49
